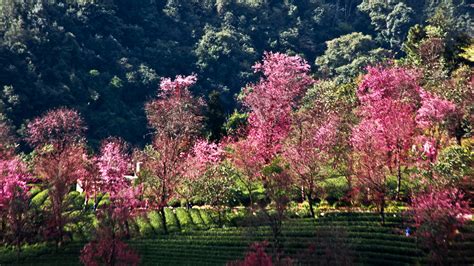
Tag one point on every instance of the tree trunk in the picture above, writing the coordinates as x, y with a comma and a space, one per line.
219, 217
382, 210
310, 202
163, 219
399, 181
18, 251
127, 230
112, 259
250, 197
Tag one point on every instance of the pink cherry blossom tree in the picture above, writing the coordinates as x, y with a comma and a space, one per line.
176, 119
270, 102
58, 139
370, 162
389, 98
113, 164
430, 118
107, 248
395, 112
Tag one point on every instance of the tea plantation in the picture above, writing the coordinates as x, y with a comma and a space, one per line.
196, 240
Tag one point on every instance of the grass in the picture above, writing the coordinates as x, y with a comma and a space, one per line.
193, 241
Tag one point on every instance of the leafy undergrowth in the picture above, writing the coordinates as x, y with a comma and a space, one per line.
200, 243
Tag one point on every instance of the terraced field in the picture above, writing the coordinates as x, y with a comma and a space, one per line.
195, 242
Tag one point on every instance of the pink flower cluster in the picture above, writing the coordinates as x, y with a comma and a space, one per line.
433, 110
395, 83
13, 178
203, 156
437, 206
207, 152
179, 83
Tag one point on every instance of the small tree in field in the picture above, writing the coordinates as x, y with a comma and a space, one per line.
244, 156
58, 138
394, 111
389, 98
216, 186
176, 119
370, 165
107, 248
199, 170
437, 215
113, 164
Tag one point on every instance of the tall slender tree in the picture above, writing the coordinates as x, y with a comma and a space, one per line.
176, 120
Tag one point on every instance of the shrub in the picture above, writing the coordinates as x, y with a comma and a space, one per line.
184, 218
171, 221
197, 219
144, 227
40, 198
298, 210
108, 251
206, 217
175, 203
156, 222
256, 256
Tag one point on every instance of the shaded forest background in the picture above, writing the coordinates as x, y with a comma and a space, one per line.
105, 57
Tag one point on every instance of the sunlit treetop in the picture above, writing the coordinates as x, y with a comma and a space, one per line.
176, 112
179, 84
394, 83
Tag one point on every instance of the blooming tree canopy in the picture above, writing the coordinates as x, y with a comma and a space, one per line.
113, 164
60, 128
273, 98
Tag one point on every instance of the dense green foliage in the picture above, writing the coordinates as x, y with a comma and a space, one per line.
105, 58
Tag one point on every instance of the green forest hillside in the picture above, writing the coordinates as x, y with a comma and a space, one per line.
105, 57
